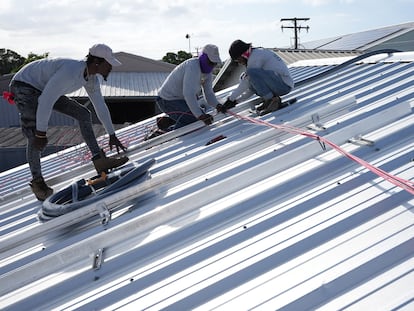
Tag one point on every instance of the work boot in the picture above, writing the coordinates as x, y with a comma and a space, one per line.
40, 189
103, 163
269, 105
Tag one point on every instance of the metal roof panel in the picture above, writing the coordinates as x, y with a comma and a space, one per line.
129, 84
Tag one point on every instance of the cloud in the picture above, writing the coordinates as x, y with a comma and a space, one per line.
316, 2
67, 28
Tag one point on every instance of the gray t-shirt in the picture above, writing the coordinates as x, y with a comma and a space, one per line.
187, 82
57, 77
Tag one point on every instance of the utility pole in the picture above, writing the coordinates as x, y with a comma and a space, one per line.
187, 36
295, 27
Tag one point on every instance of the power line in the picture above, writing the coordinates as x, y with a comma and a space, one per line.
295, 27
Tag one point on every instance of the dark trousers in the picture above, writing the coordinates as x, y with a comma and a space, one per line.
177, 110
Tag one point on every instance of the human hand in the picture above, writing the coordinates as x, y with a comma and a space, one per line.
227, 105
221, 108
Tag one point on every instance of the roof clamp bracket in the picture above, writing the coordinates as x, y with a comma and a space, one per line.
360, 141
98, 259
316, 125
104, 213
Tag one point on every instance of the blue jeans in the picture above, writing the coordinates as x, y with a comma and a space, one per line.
177, 110
26, 99
266, 84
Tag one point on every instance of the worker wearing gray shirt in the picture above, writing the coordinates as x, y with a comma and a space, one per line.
266, 75
40, 87
179, 95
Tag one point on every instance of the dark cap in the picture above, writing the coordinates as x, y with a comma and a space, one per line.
237, 48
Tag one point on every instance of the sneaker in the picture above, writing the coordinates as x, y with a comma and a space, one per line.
40, 189
269, 105
103, 163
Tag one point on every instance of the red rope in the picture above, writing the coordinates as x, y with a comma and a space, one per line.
399, 182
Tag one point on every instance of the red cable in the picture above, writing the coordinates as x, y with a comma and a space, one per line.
399, 182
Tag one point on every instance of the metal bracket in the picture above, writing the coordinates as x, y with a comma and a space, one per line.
98, 259
104, 213
361, 141
316, 124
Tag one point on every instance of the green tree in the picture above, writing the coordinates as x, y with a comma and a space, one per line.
11, 62
178, 58
32, 57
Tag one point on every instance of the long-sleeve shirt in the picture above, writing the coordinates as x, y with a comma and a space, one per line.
185, 82
57, 77
266, 60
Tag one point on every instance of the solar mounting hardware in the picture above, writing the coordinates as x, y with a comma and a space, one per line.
98, 259
104, 213
316, 125
360, 141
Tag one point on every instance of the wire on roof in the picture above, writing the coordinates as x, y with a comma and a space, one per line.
397, 181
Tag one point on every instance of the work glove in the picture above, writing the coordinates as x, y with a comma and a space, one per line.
221, 108
39, 140
114, 141
206, 118
227, 105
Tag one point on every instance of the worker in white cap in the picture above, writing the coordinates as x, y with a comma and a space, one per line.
40, 87
181, 94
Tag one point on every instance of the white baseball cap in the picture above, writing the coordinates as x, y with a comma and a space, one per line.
212, 52
103, 51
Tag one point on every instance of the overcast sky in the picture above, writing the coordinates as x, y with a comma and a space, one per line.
67, 28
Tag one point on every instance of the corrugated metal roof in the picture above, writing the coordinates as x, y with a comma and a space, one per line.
129, 84
137, 63
291, 56
261, 220
59, 136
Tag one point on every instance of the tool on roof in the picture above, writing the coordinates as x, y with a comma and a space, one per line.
82, 193
215, 139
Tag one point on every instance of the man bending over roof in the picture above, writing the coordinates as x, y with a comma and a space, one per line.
180, 94
40, 87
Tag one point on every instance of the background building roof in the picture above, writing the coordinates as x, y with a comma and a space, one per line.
136, 63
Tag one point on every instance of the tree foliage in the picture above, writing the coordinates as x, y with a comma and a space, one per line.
32, 57
11, 62
178, 58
